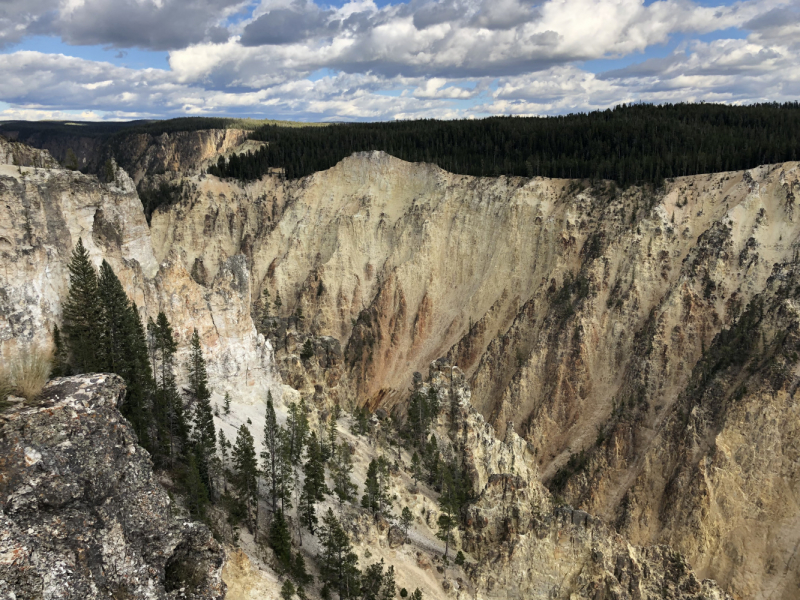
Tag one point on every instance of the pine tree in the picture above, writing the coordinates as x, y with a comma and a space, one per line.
137, 407
287, 475
270, 455
60, 358
372, 581
168, 406
224, 444
278, 302
196, 493
416, 595
287, 590
416, 468
406, 518
245, 468
338, 562
82, 313
333, 433
299, 572
314, 488
280, 540
204, 437
376, 498
115, 325
226, 407
341, 473
432, 460
389, 588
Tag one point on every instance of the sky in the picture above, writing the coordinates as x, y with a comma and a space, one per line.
369, 60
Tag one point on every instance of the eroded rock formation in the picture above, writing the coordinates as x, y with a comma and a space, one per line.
81, 513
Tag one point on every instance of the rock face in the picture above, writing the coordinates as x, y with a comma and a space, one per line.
577, 313
81, 513
142, 154
22, 155
524, 546
43, 212
524, 551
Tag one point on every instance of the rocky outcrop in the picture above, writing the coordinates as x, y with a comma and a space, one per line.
81, 513
22, 155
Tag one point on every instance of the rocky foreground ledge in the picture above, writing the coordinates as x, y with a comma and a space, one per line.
81, 512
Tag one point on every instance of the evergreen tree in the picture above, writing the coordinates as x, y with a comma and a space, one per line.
278, 302
338, 562
416, 468
245, 469
115, 324
432, 460
416, 595
314, 488
376, 499
196, 494
224, 446
372, 581
204, 437
280, 540
137, 407
299, 572
307, 510
60, 358
308, 350
332, 435
286, 475
341, 473
226, 406
270, 455
287, 590
406, 518
389, 588
168, 405
82, 314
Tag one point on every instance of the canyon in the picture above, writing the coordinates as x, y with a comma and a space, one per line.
635, 350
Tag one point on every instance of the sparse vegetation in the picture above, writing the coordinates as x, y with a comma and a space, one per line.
25, 374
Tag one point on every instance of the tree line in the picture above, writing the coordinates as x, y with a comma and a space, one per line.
629, 144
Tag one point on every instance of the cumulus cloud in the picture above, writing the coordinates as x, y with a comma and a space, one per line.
445, 58
150, 24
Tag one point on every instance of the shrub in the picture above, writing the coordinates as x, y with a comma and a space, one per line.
25, 374
403, 593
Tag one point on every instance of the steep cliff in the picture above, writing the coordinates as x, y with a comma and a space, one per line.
577, 313
140, 154
43, 212
567, 304
81, 513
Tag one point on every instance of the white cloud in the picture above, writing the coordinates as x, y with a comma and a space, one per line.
423, 58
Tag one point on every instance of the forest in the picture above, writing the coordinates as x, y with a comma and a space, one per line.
629, 144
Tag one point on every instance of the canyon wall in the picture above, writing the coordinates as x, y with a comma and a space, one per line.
577, 311
43, 212
582, 316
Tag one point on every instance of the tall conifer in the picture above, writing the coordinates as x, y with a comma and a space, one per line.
204, 437
270, 455
82, 313
245, 467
